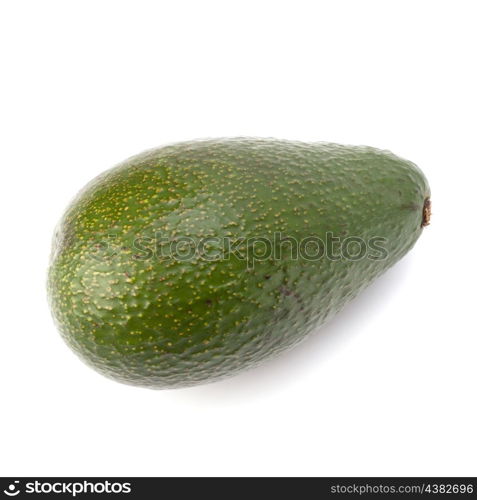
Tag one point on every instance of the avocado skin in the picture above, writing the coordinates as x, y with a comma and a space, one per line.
161, 322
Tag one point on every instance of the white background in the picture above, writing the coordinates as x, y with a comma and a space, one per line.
389, 386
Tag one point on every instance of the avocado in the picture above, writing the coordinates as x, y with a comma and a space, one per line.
194, 261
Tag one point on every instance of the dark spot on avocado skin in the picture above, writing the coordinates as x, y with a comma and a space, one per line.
287, 292
151, 322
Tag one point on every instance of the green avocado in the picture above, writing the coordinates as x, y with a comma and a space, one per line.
192, 262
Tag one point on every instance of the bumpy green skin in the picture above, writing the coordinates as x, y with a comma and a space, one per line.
163, 322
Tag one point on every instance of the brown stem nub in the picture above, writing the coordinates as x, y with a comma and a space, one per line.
426, 213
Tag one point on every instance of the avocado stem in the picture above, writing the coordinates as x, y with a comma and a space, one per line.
426, 213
